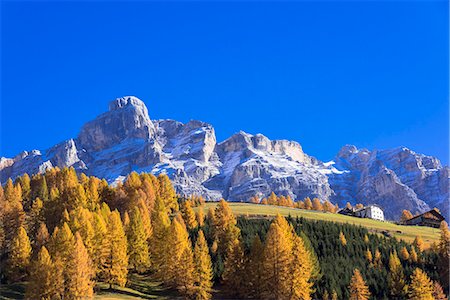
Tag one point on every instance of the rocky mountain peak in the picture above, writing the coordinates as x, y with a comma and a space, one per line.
127, 118
127, 101
124, 139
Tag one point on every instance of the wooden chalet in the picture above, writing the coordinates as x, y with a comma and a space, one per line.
430, 218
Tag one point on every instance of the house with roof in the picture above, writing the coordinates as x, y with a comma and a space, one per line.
431, 218
372, 211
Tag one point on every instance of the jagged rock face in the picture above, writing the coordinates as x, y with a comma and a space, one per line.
396, 179
127, 118
124, 139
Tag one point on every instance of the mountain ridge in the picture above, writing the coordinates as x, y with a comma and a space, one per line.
125, 139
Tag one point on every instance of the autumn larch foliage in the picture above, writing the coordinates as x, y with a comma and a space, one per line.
45, 278
115, 258
139, 259
396, 279
203, 273
80, 272
358, 288
19, 256
421, 287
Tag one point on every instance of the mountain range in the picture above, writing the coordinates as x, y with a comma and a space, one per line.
125, 139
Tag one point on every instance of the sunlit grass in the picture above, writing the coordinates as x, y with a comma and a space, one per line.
406, 233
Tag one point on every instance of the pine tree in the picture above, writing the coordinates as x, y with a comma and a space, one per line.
19, 256
167, 192
419, 244
366, 239
188, 215
308, 204
42, 237
159, 240
81, 221
342, 239
203, 273
179, 267
115, 265
200, 216
277, 262
369, 256
79, 284
358, 288
272, 199
34, 216
377, 260
186, 273
24, 182
301, 269
45, 280
99, 255
396, 279
406, 215
139, 258
413, 255
225, 230
438, 292
444, 254
421, 286
233, 268
316, 205
404, 254
255, 268
61, 243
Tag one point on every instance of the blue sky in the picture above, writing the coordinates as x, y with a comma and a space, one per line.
369, 73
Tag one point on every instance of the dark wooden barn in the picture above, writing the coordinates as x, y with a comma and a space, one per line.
430, 218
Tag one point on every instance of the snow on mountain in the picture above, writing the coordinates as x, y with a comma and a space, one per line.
125, 139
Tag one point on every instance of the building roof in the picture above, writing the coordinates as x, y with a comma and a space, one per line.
431, 214
367, 206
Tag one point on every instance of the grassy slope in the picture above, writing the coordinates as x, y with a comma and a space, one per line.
408, 233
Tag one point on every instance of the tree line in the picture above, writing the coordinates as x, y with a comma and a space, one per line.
63, 232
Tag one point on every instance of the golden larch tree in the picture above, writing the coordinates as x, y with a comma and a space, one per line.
421, 287
377, 262
438, 292
232, 275
404, 254
419, 244
159, 250
200, 215
139, 259
19, 255
406, 215
301, 270
316, 205
203, 273
369, 256
396, 278
342, 239
444, 254
358, 288
277, 263
79, 284
188, 215
115, 253
45, 281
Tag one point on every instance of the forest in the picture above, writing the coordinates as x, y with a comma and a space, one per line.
62, 233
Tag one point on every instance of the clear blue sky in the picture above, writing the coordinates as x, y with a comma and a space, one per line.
369, 73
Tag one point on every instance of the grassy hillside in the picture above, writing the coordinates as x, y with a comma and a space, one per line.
406, 233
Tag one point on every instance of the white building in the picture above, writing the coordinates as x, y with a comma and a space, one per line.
371, 211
